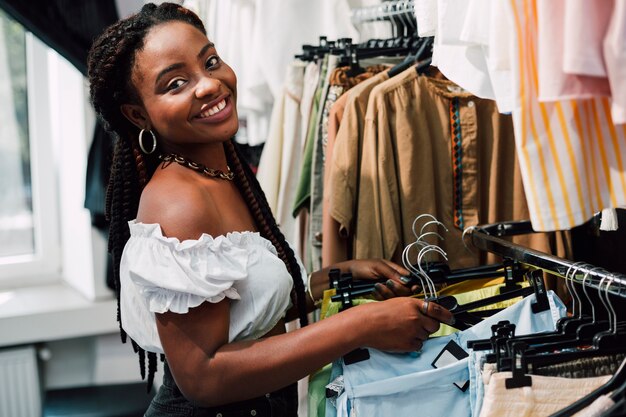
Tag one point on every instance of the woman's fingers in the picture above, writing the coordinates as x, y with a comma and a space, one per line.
384, 290
436, 312
400, 269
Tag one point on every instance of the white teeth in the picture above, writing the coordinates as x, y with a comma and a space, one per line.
214, 110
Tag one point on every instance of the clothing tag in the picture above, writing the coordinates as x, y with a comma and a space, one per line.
334, 389
608, 223
451, 353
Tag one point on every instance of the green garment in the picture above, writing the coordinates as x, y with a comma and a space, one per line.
317, 391
303, 191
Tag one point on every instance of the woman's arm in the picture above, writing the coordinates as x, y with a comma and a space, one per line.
210, 371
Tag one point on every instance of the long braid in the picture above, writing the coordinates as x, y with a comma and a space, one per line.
256, 201
143, 176
110, 64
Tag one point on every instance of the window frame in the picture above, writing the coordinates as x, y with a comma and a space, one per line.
44, 265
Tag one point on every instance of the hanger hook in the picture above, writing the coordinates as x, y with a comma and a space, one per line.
409, 9
569, 282
469, 229
433, 222
407, 263
421, 254
420, 217
584, 282
608, 299
601, 294
422, 236
406, 260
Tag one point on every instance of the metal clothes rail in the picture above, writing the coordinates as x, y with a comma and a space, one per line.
386, 11
489, 238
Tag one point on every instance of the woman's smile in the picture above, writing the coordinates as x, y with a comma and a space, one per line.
216, 111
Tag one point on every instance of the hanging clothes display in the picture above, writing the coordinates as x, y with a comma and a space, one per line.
342, 175
429, 147
571, 147
485, 113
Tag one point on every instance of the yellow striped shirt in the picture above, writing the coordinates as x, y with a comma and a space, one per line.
571, 154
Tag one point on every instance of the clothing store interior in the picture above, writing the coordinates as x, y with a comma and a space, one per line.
479, 145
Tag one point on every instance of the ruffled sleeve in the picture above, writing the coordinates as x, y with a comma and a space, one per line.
170, 275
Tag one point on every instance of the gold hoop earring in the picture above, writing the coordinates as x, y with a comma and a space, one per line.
154, 142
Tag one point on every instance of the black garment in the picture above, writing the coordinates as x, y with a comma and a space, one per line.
601, 248
170, 402
67, 26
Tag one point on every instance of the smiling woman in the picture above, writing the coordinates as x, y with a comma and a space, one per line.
204, 275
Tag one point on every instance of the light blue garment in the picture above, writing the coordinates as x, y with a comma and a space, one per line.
331, 409
424, 394
477, 387
404, 383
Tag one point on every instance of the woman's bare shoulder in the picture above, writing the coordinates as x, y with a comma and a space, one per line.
180, 205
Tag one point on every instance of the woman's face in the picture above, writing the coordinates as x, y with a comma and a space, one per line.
188, 94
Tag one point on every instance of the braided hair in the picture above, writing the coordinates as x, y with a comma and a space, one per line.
110, 63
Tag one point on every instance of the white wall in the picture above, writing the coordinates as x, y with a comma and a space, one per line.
72, 128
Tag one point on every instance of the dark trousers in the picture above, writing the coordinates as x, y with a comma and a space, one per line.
170, 402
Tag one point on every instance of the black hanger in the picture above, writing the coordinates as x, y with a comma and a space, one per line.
421, 54
606, 342
343, 284
462, 312
592, 333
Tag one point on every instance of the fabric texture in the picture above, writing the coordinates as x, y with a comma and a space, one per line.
317, 392
425, 137
160, 274
315, 190
546, 396
280, 162
476, 361
386, 384
570, 152
615, 60
463, 63
426, 16
598, 407
333, 247
346, 160
583, 368
303, 191
582, 49
170, 402
554, 82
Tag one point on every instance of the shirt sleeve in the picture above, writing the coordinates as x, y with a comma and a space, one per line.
174, 276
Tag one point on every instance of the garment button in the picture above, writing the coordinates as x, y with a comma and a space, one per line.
253, 413
318, 236
470, 104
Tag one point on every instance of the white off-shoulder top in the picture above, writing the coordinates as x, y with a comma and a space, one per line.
159, 274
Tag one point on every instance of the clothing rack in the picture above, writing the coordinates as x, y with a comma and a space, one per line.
488, 238
386, 11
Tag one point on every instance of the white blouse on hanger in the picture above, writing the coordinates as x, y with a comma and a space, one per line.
159, 274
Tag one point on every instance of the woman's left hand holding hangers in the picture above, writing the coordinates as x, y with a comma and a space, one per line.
395, 278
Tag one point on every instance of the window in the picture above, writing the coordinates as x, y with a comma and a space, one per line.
29, 239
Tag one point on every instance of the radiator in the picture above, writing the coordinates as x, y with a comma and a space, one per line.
20, 394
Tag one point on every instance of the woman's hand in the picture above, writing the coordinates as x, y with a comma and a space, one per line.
401, 324
395, 276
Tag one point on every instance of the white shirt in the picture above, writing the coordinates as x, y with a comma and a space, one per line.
160, 274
